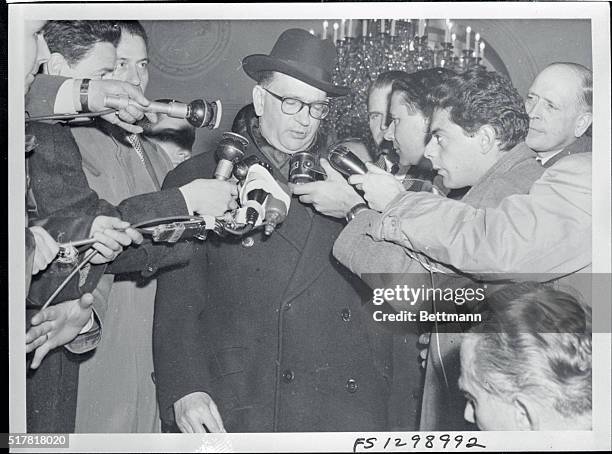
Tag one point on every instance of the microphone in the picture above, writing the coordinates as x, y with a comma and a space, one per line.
345, 161
276, 213
229, 151
262, 199
254, 205
199, 113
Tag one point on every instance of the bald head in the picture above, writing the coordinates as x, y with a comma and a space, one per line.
559, 104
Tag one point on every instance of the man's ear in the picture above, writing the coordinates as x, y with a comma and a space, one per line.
583, 122
56, 65
525, 414
486, 138
258, 100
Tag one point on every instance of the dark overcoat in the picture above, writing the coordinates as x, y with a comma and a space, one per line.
65, 205
277, 333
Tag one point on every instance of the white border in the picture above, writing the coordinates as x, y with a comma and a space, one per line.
322, 442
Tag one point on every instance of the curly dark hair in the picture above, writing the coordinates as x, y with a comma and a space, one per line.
415, 88
479, 97
73, 39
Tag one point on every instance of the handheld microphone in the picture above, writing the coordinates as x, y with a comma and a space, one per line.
304, 168
199, 113
276, 213
345, 161
229, 151
254, 205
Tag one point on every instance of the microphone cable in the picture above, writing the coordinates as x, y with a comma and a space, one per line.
28, 118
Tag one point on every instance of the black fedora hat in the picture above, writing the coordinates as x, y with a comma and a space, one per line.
299, 54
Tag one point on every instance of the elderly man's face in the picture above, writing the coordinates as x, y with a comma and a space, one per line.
407, 131
377, 113
36, 51
453, 153
553, 109
486, 410
132, 60
287, 133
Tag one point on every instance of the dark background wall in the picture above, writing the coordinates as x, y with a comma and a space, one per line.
202, 59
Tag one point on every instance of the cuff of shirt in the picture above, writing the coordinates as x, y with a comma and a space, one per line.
189, 208
65, 101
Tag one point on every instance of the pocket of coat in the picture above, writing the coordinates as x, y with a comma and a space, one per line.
228, 361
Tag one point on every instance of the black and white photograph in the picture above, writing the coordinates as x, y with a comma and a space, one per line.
309, 227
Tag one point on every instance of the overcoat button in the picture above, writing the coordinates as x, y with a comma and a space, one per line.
248, 241
345, 314
351, 385
288, 376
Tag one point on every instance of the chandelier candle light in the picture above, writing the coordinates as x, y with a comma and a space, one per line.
396, 44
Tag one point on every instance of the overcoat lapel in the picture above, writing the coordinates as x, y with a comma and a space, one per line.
314, 259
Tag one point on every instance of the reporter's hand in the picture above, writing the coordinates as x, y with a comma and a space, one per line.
332, 197
123, 118
196, 413
57, 325
379, 187
112, 235
45, 251
210, 197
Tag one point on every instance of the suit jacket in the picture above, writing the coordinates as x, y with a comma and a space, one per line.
276, 332
60, 189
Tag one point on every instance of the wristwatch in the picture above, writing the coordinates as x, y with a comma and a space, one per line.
355, 210
84, 95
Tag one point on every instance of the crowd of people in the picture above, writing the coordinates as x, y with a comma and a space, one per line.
466, 182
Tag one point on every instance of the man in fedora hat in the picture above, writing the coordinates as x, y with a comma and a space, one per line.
263, 335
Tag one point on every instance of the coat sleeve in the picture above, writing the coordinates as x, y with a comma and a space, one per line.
57, 180
547, 230
40, 99
381, 264
60, 188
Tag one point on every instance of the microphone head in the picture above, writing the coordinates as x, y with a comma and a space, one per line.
232, 146
204, 114
345, 161
229, 151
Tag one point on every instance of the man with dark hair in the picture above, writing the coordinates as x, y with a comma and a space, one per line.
61, 186
271, 334
478, 127
116, 392
78, 41
548, 230
50, 389
528, 366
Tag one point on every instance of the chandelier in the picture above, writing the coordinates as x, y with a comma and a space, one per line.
368, 47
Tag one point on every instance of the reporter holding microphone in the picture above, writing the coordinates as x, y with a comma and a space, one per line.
72, 169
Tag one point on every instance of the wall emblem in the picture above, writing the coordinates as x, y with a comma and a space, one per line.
189, 50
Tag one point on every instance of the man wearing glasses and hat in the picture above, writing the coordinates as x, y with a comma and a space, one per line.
264, 336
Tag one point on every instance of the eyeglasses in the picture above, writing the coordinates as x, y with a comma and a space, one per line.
291, 106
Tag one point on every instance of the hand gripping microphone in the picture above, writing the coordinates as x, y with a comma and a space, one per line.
199, 113
229, 152
262, 199
345, 161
